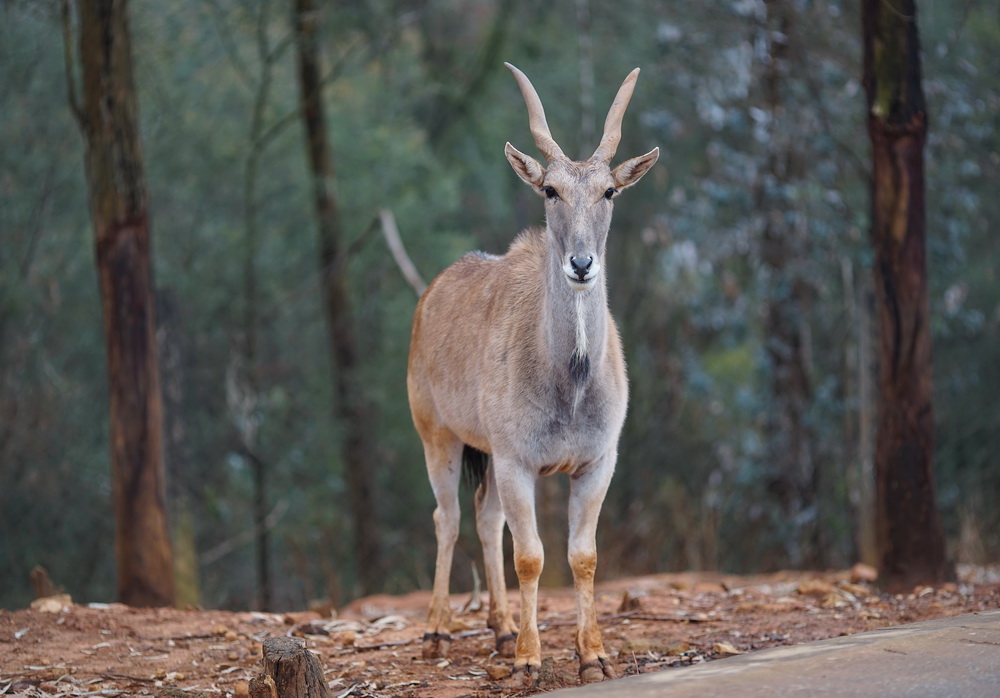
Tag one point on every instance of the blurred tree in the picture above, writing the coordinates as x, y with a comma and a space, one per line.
783, 250
909, 533
352, 402
171, 350
119, 211
243, 375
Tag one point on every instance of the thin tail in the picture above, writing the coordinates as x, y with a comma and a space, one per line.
474, 465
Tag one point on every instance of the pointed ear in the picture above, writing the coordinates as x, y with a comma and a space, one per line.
527, 167
631, 171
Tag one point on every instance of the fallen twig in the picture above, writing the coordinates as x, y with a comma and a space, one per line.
129, 677
403, 643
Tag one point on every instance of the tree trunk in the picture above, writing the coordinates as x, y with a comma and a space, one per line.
908, 527
353, 407
177, 458
119, 211
860, 376
244, 393
783, 247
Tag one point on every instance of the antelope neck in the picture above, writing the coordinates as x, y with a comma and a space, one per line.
574, 322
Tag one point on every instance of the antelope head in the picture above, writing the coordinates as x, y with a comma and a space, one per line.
578, 195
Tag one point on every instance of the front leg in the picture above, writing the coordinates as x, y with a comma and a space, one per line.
586, 497
516, 488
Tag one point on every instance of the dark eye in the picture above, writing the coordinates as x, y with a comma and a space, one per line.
550, 192
609, 193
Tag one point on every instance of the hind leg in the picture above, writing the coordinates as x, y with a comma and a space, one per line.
490, 522
444, 466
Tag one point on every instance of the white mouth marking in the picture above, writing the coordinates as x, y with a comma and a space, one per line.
588, 281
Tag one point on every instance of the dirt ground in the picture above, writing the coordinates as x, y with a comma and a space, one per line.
655, 623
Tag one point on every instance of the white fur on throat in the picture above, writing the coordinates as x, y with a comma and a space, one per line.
581, 328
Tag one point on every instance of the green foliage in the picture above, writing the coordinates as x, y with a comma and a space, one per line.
418, 110
963, 156
54, 469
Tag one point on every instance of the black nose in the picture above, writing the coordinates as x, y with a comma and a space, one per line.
581, 266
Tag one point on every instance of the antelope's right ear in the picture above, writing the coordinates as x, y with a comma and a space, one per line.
527, 168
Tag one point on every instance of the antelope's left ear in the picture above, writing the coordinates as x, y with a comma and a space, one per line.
631, 171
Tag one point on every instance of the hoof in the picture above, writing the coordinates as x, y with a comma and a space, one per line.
598, 670
436, 645
506, 644
524, 676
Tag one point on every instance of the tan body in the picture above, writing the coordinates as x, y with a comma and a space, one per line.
494, 382
518, 356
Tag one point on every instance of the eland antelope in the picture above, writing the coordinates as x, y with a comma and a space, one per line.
516, 364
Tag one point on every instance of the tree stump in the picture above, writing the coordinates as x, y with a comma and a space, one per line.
294, 671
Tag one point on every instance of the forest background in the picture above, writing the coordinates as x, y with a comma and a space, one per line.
745, 252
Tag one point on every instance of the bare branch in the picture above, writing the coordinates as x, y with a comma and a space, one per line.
356, 245
74, 102
264, 137
855, 161
475, 603
275, 53
229, 46
456, 107
247, 536
395, 243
